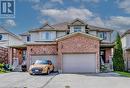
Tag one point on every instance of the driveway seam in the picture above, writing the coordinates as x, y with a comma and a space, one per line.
48, 81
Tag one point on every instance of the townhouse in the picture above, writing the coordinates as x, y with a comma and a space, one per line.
73, 47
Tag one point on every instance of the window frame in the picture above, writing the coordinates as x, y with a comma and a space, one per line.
77, 29
1, 37
103, 35
28, 38
46, 36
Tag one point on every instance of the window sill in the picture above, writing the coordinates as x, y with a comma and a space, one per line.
45, 41
3, 40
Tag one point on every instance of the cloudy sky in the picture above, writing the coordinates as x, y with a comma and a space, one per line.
114, 14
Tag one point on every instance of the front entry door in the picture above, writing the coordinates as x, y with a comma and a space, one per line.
102, 55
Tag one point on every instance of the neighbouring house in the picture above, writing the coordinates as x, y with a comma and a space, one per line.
125, 38
73, 47
7, 39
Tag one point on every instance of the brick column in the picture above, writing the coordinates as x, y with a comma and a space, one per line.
10, 55
28, 57
59, 59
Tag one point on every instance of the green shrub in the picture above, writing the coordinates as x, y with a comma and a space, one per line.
118, 61
103, 68
1, 66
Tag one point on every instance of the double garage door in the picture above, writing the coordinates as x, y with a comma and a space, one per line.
79, 63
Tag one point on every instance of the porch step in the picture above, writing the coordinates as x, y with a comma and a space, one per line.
109, 67
17, 69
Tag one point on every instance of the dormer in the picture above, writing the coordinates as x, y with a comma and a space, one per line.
77, 25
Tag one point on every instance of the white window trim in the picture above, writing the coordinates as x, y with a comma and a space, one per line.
77, 29
103, 35
44, 36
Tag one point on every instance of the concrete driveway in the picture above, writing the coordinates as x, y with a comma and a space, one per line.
102, 80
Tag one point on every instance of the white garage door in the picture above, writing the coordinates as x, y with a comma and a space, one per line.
79, 63
44, 57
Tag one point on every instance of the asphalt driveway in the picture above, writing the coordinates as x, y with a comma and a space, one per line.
102, 80
24, 80
54, 80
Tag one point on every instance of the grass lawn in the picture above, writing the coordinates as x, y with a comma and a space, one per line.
126, 74
2, 72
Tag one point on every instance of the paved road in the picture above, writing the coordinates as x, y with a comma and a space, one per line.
102, 80
23, 79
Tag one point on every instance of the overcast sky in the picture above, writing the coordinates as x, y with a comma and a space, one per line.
114, 14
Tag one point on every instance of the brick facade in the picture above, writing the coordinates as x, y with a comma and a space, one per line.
75, 44
78, 44
40, 50
108, 54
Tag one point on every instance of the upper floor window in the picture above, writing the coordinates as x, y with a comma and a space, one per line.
28, 38
77, 28
47, 35
102, 35
1, 36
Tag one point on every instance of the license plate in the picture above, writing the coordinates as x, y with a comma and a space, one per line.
36, 70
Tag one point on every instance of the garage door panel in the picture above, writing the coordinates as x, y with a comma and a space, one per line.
79, 63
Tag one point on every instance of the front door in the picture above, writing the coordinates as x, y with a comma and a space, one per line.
24, 58
102, 55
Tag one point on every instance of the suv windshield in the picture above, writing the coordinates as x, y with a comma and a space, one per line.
41, 62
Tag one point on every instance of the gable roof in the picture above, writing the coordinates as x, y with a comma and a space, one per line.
46, 26
77, 21
8, 32
77, 33
126, 32
95, 28
65, 26
61, 26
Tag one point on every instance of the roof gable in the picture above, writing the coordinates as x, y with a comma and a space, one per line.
78, 33
77, 22
126, 32
3, 30
46, 26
